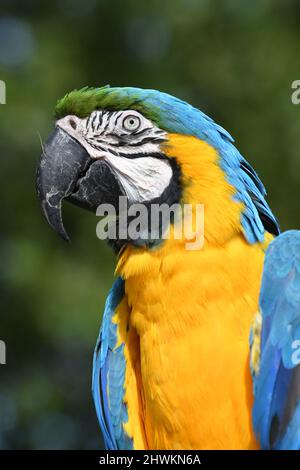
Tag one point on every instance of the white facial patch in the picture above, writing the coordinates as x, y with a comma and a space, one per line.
130, 144
142, 179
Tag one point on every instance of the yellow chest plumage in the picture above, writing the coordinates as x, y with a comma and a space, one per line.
187, 322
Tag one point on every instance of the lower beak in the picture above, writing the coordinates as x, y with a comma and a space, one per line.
66, 171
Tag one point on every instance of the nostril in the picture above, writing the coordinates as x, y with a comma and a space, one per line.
72, 124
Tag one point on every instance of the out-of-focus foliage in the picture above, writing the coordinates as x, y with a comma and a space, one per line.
234, 59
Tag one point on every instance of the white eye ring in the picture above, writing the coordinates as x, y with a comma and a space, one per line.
131, 123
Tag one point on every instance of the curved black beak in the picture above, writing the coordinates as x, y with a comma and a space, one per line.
66, 171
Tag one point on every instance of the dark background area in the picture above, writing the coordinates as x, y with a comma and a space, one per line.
233, 59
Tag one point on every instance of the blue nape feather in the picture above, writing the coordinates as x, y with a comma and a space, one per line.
276, 412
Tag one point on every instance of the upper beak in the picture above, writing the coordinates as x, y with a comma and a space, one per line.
67, 171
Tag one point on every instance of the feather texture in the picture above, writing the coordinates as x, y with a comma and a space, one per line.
109, 377
276, 412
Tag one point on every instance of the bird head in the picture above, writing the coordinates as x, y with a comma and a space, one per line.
149, 147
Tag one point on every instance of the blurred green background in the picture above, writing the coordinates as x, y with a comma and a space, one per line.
234, 59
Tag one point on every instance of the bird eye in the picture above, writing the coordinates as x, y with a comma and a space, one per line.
131, 123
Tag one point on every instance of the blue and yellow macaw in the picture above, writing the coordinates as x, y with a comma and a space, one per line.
173, 365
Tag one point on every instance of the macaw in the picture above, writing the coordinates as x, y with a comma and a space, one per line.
197, 348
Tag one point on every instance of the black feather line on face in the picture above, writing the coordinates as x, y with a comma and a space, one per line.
145, 140
125, 140
93, 122
159, 155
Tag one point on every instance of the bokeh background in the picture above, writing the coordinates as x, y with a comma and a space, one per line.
234, 59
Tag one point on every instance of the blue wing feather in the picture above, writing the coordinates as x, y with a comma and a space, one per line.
109, 369
276, 412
